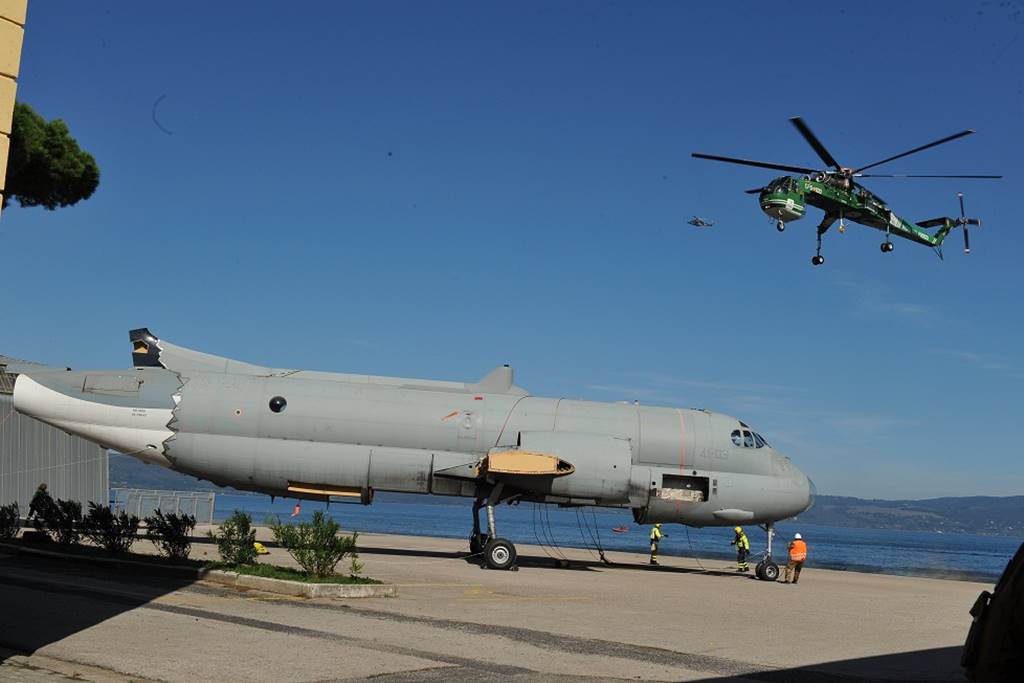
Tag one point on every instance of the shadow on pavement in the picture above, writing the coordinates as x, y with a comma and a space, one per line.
938, 664
45, 600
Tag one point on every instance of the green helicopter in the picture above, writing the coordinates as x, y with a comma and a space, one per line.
835, 192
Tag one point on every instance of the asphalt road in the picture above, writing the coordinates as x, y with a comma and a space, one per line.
453, 620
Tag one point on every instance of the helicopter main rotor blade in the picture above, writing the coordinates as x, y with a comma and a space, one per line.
916, 150
814, 142
905, 175
756, 190
748, 162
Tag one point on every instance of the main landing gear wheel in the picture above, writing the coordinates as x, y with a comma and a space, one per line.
500, 554
887, 247
769, 571
817, 260
780, 226
758, 568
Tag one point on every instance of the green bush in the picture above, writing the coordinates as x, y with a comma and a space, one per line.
63, 521
235, 539
10, 520
172, 533
315, 544
115, 533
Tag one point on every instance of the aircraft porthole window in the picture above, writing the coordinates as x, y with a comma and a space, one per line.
736, 437
278, 404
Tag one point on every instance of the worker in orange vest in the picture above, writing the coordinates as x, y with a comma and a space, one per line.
797, 557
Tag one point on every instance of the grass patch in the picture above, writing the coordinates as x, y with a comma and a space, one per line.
273, 571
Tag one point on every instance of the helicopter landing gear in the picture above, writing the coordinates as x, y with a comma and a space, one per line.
780, 226
842, 225
818, 259
887, 247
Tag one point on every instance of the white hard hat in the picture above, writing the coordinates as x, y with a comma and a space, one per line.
797, 536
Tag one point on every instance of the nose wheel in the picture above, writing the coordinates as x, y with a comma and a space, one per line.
887, 247
766, 569
780, 226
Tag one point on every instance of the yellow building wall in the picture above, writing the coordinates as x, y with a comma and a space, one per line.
12, 33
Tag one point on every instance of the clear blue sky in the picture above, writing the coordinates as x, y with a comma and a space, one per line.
431, 189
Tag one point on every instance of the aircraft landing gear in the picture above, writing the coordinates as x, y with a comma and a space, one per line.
780, 226
497, 553
887, 247
766, 569
818, 259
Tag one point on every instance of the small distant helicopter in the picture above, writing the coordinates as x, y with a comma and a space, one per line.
836, 193
699, 222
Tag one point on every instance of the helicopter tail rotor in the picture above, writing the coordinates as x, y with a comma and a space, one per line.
964, 221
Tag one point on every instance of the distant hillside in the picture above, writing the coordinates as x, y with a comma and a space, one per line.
975, 515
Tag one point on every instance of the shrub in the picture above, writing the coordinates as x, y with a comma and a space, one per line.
235, 538
63, 520
172, 533
315, 544
10, 520
115, 533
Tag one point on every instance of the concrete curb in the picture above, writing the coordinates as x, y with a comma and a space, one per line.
301, 589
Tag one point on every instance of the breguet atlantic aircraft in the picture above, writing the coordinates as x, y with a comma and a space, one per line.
317, 435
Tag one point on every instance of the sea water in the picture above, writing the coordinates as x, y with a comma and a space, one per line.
946, 555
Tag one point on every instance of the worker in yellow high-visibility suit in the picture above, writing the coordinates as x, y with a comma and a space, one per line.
656, 537
742, 544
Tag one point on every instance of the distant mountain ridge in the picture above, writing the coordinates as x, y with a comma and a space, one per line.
974, 514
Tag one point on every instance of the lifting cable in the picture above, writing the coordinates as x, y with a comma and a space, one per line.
692, 551
583, 536
542, 543
551, 534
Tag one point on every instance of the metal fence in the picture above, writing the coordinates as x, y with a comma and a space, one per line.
143, 502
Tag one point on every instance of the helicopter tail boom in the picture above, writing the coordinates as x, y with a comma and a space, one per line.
946, 225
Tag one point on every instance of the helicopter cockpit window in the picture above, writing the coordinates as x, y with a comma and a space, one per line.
759, 441
748, 439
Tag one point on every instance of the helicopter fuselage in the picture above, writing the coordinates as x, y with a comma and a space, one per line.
786, 198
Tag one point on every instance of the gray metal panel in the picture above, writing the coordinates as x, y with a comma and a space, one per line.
32, 453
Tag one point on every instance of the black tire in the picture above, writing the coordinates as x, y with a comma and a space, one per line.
477, 543
500, 554
770, 571
817, 260
780, 226
758, 569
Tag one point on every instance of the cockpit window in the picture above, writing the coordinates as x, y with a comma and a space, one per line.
747, 439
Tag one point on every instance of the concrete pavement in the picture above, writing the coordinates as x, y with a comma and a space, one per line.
453, 620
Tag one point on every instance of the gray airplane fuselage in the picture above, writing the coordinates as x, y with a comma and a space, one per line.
354, 434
